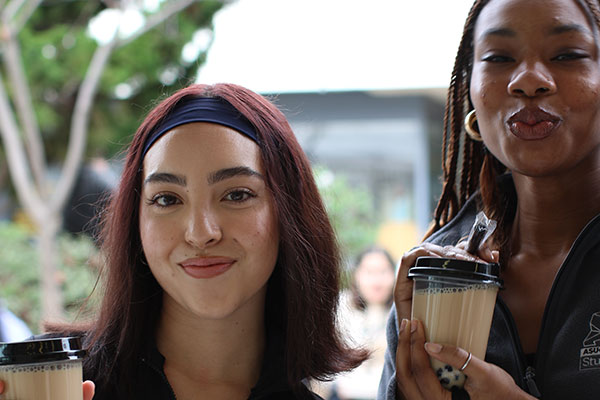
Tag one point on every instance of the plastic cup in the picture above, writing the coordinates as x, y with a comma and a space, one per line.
454, 300
48, 369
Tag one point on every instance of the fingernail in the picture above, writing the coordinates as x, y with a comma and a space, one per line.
413, 326
433, 347
495, 255
403, 324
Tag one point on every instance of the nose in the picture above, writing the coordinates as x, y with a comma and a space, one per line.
203, 229
532, 80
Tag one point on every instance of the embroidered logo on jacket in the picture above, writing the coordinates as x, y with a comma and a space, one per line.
590, 353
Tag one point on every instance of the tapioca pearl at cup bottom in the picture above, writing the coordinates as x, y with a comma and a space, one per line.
448, 376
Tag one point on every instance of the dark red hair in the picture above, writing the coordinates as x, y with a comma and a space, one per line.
302, 292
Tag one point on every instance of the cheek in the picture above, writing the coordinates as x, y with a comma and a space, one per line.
485, 96
584, 96
263, 236
155, 236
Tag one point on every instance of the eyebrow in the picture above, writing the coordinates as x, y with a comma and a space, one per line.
557, 30
570, 28
217, 176
165, 177
227, 173
504, 32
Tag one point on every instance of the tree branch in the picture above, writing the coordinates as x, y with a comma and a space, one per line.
171, 8
15, 155
79, 125
12, 9
30, 8
24, 107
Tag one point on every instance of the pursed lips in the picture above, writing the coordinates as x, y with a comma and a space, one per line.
533, 123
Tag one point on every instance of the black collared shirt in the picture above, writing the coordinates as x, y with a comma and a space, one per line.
151, 383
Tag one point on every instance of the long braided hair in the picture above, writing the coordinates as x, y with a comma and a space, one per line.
479, 169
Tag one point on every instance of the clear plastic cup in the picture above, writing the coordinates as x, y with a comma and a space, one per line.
47, 369
454, 299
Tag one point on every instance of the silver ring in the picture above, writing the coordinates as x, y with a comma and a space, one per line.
466, 363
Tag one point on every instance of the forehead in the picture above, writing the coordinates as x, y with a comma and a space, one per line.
375, 259
531, 16
201, 145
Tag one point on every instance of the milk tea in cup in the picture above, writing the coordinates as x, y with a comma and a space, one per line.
454, 300
47, 369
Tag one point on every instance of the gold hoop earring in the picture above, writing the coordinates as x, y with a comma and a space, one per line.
470, 121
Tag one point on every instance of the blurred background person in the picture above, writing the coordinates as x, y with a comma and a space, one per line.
363, 312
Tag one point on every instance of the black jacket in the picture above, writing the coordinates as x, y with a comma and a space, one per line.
567, 364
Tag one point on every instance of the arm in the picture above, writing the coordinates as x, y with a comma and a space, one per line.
387, 384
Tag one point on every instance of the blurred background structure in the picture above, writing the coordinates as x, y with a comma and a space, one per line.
387, 142
362, 83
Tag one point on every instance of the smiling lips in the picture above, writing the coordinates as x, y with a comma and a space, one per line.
532, 123
206, 267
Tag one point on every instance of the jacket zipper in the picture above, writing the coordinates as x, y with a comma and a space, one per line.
527, 373
163, 377
530, 382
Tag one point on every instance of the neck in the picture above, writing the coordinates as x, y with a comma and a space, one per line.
223, 350
552, 211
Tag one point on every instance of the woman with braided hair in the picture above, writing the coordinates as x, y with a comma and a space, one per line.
522, 144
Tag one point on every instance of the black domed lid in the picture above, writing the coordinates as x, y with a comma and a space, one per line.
39, 351
453, 268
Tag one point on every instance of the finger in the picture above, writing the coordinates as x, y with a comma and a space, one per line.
425, 377
1, 387
458, 252
457, 357
404, 286
404, 379
88, 390
488, 255
484, 253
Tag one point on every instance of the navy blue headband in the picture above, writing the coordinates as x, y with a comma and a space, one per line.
201, 109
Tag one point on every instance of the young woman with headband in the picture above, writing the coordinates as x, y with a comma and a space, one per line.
222, 268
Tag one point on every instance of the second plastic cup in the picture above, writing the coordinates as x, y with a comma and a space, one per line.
48, 369
454, 299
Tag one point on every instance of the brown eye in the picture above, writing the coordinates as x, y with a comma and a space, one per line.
494, 58
569, 56
239, 196
164, 200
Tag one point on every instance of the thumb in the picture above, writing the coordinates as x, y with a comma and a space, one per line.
88, 390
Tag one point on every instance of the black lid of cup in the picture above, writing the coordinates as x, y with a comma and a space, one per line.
460, 269
40, 351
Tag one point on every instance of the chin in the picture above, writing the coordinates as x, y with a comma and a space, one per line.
213, 314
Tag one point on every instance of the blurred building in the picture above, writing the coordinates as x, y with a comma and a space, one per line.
386, 141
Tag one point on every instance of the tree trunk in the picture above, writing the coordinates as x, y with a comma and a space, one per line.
52, 304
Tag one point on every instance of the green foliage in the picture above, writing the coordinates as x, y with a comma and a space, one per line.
20, 276
56, 52
350, 209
